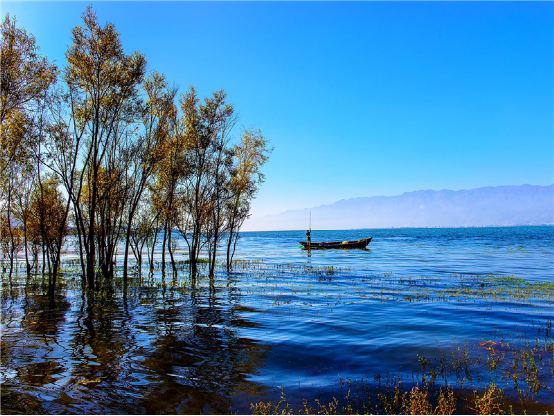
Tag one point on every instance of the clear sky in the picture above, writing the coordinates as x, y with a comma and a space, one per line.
358, 98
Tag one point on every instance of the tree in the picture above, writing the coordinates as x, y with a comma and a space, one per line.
120, 151
46, 222
165, 200
103, 90
158, 120
141, 230
249, 156
25, 79
203, 129
23, 202
10, 241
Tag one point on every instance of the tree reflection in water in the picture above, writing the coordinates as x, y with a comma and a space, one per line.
31, 356
159, 349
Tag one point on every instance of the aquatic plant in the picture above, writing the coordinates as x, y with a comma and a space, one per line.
447, 378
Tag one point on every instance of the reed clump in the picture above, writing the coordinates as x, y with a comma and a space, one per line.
398, 401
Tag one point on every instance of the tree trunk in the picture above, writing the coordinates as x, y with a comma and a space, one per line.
49, 269
52, 288
127, 242
26, 249
43, 261
234, 245
192, 257
12, 248
163, 246
139, 259
91, 252
90, 257
214, 248
81, 256
229, 250
126, 255
153, 247
148, 256
171, 252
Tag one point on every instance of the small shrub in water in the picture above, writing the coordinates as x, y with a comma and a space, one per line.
488, 403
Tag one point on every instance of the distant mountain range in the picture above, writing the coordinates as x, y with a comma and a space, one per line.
489, 206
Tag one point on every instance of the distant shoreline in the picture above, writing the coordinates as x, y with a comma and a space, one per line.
408, 227
502, 206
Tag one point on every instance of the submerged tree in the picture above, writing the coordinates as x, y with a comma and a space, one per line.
11, 241
249, 156
130, 162
47, 224
144, 156
103, 88
203, 130
25, 79
142, 231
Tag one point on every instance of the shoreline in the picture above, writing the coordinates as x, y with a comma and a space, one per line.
445, 227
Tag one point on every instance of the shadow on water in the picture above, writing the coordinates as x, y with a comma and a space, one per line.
159, 349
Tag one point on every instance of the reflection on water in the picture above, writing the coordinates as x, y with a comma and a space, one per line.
172, 345
159, 349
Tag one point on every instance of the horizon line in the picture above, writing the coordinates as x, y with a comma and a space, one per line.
546, 224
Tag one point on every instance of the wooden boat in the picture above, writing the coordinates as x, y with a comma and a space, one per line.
361, 243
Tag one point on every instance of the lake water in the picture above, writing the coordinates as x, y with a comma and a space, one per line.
292, 319
522, 251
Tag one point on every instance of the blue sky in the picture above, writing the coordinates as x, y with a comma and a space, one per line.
358, 98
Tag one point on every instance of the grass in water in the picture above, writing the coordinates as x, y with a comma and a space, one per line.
510, 369
417, 401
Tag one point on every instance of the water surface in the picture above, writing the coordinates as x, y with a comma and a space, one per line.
284, 317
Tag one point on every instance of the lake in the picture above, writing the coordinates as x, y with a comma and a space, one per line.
459, 307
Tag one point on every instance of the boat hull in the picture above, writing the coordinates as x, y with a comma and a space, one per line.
361, 243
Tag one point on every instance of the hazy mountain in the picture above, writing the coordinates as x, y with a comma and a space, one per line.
498, 205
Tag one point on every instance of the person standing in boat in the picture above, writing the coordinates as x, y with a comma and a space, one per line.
308, 238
